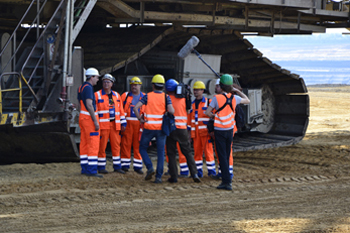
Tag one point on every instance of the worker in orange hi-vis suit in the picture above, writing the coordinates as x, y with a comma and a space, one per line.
89, 126
131, 135
184, 171
202, 142
218, 90
112, 121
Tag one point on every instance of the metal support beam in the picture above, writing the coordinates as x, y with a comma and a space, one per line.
246, 16
142, 12
299, 17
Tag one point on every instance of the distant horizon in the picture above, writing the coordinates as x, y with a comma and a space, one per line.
322, 58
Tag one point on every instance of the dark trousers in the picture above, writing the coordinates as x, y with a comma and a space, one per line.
180, 136
223, 142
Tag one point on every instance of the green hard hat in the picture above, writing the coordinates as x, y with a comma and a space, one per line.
226, 79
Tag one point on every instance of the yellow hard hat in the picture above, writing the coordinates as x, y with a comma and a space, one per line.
158, 78
135, 80
199, 85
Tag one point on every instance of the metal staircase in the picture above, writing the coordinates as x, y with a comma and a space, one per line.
41, 65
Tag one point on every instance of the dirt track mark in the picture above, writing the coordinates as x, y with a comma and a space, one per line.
138, 195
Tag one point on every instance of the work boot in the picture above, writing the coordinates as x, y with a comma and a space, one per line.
94, 175
125, 169
149, 174
157, 181
103, 171
172, 180
217, 177
119, 170
196, 178
139, 171
225, 186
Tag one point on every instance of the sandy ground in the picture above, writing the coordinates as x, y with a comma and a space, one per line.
299, 188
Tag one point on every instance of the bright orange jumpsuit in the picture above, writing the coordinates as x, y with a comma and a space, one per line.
201, 139
111, 118
131, 135
89, 137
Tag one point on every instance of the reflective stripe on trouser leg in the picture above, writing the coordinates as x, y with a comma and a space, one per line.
184, 169
103, 143
114, 140
92, 153
198, 146
125, 162
83, 147
101, 164
199, 164
90, 140
130, 139
137, 164
230, 163
209, 155
83, 163
182, 161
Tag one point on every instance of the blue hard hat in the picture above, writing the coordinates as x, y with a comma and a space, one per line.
171, 84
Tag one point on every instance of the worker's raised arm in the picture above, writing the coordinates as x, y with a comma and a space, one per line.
245, 99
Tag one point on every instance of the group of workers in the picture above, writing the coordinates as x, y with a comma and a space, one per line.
132, 120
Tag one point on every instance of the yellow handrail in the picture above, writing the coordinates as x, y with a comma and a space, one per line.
12, 89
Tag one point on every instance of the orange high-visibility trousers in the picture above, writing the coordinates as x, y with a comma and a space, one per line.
203, 144
230, 162
182, 161
130, 138
89, 145
114, 140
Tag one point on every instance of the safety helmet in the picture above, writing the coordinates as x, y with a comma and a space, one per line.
135, 80
226, 79
92, 72
109, 77
199, 85
171, 85
158, 79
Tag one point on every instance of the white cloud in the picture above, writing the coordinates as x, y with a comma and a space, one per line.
329, 46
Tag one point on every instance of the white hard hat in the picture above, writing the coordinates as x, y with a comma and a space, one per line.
109, 77
217, 81
92, 72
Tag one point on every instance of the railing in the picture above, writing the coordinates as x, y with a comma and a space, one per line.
12, 89
13, 36
19, 88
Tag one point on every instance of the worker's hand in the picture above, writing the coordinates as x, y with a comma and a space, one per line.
123, 128
212, 135
97, 126
234, 90
189, 136
142, 120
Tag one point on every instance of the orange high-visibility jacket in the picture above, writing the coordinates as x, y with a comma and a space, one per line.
105, 110
154, 110
180, 114
198, 120
84, 113
226, 117
129, 108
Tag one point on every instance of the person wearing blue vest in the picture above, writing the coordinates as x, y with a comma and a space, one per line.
89, 124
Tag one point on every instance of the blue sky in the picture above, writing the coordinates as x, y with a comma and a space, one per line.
318, 58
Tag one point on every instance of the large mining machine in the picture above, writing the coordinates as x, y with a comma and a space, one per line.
45, 46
